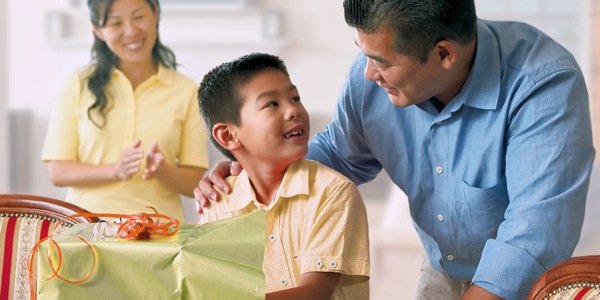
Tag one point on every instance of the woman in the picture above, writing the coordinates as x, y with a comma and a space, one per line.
129, 99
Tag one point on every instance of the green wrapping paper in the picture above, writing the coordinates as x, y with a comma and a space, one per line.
219, 260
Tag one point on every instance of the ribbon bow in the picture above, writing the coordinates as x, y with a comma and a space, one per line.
130, 227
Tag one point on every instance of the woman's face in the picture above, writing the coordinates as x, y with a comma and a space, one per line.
130, 31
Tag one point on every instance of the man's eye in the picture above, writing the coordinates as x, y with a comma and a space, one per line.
379, 65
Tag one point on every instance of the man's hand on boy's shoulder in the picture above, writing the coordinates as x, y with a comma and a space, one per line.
205, 192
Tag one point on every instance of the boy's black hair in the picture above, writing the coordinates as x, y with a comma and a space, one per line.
219, 96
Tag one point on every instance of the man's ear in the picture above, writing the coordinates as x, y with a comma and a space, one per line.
445, 52
224, 134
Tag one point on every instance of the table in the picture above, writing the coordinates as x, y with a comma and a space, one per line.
219, 260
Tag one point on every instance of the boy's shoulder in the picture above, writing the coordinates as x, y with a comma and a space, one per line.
324, 174
323, 169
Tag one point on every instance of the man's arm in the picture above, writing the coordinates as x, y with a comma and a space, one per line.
549, 156
477, 293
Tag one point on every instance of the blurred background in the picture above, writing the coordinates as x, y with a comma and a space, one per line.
42, 42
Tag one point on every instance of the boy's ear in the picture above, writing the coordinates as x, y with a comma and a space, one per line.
224, 135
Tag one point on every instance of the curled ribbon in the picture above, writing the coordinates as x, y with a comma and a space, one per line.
130, 227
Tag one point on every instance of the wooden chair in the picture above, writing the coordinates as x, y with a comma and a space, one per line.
575, 278
24, 220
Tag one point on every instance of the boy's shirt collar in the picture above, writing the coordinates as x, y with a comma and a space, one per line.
295, 182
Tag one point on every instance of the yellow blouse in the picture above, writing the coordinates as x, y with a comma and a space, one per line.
163, 109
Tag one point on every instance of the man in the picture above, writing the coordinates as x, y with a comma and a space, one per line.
484, 125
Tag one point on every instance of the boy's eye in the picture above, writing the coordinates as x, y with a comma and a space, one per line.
296, 99
273, 104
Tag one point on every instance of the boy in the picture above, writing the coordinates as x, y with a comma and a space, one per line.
317, 234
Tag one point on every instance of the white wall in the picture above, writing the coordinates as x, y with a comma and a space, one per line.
3, 99
320, 50
4, 170
563, 20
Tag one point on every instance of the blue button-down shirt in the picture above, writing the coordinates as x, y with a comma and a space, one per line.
506, 163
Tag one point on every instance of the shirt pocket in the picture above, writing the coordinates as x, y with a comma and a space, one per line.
482, 210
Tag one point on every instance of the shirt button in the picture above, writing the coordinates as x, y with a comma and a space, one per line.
439, 123
332, 264
450, 257
440, 217
283, 281
439, 169
319, 263
272, 238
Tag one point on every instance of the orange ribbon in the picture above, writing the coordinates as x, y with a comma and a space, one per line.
133, 227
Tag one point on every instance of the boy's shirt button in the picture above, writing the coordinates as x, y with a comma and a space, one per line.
272, 238
283, 281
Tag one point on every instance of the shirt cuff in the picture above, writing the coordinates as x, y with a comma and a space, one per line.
506, 271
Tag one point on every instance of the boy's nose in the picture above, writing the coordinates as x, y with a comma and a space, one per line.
293, 112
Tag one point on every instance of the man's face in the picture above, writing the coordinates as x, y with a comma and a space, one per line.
406, 80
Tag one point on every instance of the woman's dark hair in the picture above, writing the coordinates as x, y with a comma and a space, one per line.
219, 96
104, 59
417, 24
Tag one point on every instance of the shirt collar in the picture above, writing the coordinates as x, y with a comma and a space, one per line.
295, 182
482, 87
164, 75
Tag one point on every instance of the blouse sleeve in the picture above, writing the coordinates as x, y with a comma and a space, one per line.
194, 150
62, 140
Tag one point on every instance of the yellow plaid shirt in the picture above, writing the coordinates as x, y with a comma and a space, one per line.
317, 222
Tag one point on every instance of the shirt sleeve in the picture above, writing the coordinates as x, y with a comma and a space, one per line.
62, 141
549, 155
194, 148
343, 146
338, 239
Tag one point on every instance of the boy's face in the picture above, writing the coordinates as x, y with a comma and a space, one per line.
274, 125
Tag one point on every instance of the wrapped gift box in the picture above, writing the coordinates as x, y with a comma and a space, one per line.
219, 260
